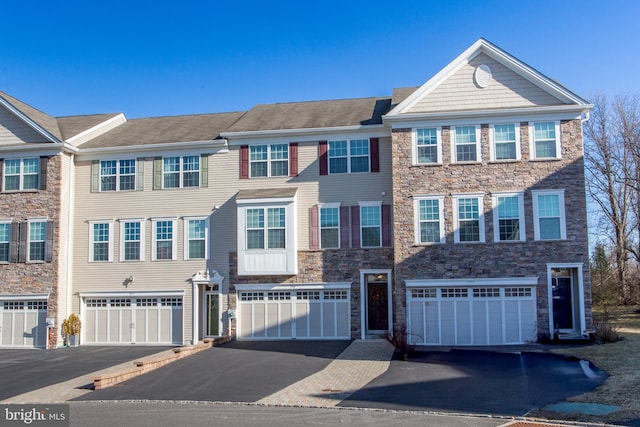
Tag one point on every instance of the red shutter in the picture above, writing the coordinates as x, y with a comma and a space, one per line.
244, 162
386, 225
355, 226
374, 144
42, 179
345, 235
323, 157
314, 228
293, 159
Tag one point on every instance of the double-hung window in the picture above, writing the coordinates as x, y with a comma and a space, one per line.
329, 227
370, 225
429, 219
269, 160
37, 239
196, 238
181, 172
549, 215
132, 240
505, 140
466, 143
468, 218
118, 175
5, 236
508, 217
164, 239
266, 228
349, 156
545, 140
21, 174
427, 146
101, 237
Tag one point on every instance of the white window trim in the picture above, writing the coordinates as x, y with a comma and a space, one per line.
20, 175
118, 175
207, 229
142, 238
414, 144
269, 160
536, 217
181, 171
452, 142
377, 204
416, 218
328, 206
349, 141
456, 226
532, 143
29, 222
174, 240
496, 219
492, 145
92, 241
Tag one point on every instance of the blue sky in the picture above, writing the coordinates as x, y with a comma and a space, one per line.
156, 58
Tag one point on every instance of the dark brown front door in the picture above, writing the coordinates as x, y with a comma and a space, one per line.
377, 305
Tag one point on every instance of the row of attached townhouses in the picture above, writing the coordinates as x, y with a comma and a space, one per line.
455, 210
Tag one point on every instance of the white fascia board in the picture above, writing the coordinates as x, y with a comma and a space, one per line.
499, 281
293, 287
211, 146
553, 112
30, 122
33, 148
266, 200
108, 124
305, 135
23, 297
132, 294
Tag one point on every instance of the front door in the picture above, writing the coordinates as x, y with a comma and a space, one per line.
211, 314
377, 308
562, 303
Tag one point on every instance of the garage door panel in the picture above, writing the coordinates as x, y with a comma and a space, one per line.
448, 322
302, 319
528, 316
512, 321
495, 322
259, 321
480, 320
315, 319
463, 323
343, 319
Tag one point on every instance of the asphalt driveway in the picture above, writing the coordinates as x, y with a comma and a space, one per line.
23, 370
238, 371
481, 382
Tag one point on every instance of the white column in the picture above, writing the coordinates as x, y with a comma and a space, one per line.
195, 310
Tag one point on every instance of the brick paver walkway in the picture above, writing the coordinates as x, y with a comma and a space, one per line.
356, 366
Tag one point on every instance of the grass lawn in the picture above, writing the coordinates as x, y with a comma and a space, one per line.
621, 360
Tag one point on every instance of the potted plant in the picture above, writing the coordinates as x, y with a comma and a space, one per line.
71, 329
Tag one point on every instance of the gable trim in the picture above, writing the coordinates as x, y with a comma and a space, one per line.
120, 117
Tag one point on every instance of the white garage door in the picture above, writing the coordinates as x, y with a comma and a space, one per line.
299, 314
471, 316
23, 323
139, 320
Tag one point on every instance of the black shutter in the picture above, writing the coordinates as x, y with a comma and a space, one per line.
42, 178
48, 247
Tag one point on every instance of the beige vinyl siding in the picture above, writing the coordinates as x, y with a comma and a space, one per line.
13, 130
506, 90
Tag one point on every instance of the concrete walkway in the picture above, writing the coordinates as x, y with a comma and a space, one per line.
356, 366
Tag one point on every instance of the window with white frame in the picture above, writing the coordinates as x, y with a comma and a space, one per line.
468, 218
132, 240
181, 172
427, 146
5, 236
429, 216
269, 160
164, 239
545, 140
266, 228
101, 235
549, 215
505, 140
118, 175
466, 143
37, 239
349, 156
370, 225
196, 238
329, 226
21, 174
508, 217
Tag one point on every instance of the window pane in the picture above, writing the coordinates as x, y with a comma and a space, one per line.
428, 154
276, 239
164, 240
276, 217
338, 156
429, 217
550, 228
191, 174
329, 217
329, 227
258, 153
30, 174
255, 239
548, 205
427, 142
5, 232
132, 241
280, 168
196, 249
197, 235
468, 223
370, 236
164, 250
338, 165
466, 144
37, 233
258, 169
509, 229
545, 149
127, 174
468, 209
255, 218
545, 139
171, 172
329, 238
469, 231
429, 210
11, 175
132, 251
359, 152
370, 222
430, 232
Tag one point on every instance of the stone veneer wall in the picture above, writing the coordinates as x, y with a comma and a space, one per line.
490, 259
330, 265
37, 277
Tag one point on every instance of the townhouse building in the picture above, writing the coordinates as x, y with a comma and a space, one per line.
454, 211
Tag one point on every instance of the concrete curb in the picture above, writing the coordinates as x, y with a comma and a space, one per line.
153, 362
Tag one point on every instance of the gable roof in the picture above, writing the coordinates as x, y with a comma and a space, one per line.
551, 88
313, 115
71, 126
43, 123
165, 130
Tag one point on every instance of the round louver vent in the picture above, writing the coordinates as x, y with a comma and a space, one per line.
482, 75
